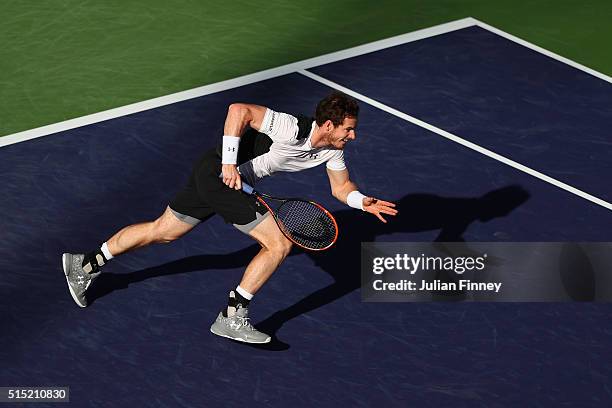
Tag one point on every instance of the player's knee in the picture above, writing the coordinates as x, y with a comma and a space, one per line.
280, 247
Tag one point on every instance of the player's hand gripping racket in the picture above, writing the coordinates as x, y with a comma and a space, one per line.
305, 223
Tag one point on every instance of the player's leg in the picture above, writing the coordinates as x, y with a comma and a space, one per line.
167, 228
185, 211
233, 321
274, 248
82, 269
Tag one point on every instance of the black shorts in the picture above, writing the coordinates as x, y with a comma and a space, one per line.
206, 195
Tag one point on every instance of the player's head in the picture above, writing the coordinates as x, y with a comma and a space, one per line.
337, 115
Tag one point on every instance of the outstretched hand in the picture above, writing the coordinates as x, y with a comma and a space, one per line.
378, 207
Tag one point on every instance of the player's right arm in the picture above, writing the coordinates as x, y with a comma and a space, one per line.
239, 116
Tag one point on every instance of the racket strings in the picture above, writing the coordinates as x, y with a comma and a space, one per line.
307, 224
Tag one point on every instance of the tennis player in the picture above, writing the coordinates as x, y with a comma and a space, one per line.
257, 142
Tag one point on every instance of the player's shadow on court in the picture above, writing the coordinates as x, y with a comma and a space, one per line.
109, 282
418, 213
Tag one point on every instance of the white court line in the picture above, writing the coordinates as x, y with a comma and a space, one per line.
236, 82
458, 140
301, 66
543, 51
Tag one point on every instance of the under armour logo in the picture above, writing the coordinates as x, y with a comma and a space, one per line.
231, 149
313, 156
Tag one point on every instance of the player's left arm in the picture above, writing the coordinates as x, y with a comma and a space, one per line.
346, 191
239, 116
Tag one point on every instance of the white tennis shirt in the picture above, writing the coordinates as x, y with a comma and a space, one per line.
287, 152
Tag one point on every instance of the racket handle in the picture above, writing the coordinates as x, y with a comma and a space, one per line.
245, 187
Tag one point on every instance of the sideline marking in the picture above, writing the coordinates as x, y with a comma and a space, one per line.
458, 140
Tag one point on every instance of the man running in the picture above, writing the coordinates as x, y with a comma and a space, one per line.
275, 142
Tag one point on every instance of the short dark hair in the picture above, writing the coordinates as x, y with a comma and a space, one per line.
335, 107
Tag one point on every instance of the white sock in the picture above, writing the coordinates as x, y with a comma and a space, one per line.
244, 293
106, 252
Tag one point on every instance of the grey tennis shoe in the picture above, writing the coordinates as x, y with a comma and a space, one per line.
78, 280
238, 328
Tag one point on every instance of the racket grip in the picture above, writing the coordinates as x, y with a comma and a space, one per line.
245, 187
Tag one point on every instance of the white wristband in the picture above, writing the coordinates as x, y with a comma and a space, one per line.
355, 200
230, 150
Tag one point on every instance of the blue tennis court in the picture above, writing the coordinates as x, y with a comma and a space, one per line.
145, 336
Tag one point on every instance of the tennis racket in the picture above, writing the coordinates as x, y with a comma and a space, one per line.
305, 223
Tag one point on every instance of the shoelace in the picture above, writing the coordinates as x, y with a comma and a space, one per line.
244, 321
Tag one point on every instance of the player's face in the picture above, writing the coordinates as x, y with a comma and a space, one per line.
343, 133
